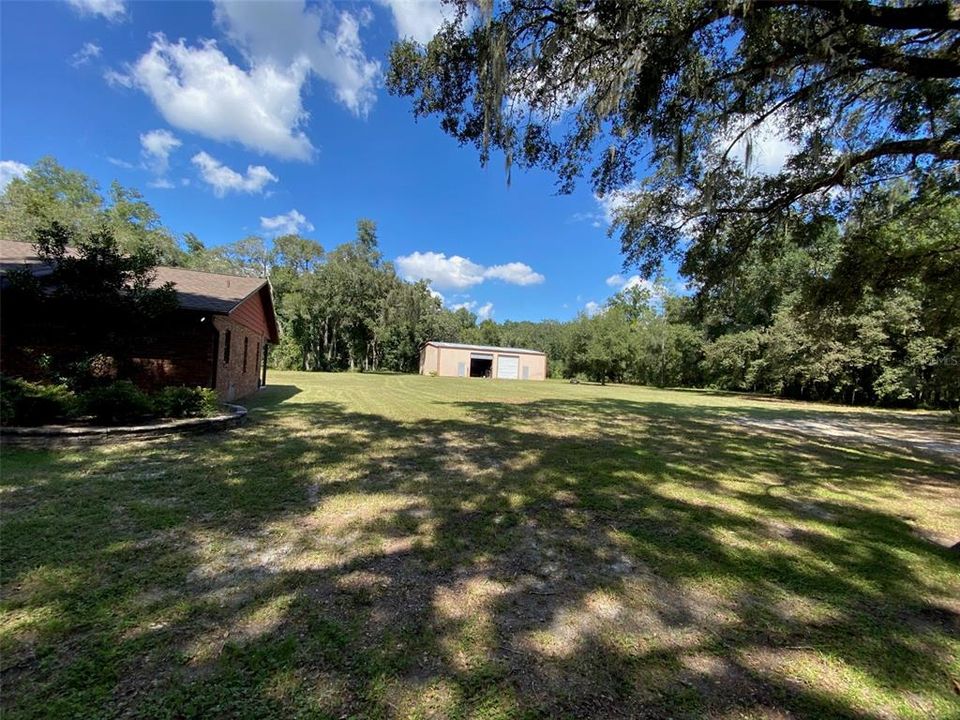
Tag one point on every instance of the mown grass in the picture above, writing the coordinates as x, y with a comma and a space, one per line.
397, 546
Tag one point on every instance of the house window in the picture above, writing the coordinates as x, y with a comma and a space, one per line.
226, 346
246, 345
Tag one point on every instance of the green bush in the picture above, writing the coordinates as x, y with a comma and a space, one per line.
29, 403
180, 402
116, 403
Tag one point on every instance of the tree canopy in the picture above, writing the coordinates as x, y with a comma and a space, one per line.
50, 193
662, 103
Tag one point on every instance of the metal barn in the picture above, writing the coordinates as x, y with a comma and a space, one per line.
503, 363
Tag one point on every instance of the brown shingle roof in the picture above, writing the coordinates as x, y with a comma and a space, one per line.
15, 255
209, 292
203, 291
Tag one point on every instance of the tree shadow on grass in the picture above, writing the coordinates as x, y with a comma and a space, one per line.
271, 396
595, 558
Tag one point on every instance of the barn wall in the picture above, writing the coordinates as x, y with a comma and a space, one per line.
449, 359
537, 365
428, 359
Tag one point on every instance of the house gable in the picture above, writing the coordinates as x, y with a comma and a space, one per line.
256, 313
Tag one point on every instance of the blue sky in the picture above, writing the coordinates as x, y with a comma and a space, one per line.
243, 118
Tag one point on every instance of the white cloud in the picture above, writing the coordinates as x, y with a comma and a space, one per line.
442, 271
325, 40
156, 146
110, 9
592, 308
286, 224
460, 272
10, 169
417, 19
621, 283
224, 179
593, 217
88, 52
485, 312
198, 89
608, 206
115, 78
438, 296
768, 144
613, 201
121, 163
515, 273
161, 184
258, 103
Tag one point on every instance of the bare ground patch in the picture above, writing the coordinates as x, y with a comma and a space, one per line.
914, 432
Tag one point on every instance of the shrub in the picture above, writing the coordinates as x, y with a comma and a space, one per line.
89, 372
116, 403
180, 402
29, 403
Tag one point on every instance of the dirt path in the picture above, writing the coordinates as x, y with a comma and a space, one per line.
925, 434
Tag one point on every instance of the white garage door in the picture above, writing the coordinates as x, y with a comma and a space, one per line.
508, 368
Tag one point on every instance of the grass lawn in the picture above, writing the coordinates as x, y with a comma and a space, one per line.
403, 547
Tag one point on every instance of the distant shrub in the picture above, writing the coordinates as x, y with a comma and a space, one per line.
181, 402
29, 403
116, 403
433, 373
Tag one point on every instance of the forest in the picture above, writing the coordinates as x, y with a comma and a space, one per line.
866, 311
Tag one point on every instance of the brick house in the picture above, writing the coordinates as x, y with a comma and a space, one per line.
218, 337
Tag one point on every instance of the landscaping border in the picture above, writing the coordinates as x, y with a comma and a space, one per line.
55, 434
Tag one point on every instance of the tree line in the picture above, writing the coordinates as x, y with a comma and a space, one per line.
864, 311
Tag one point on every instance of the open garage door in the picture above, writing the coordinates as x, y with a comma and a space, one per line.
508, 368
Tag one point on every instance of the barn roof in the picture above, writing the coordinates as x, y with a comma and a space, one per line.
483, 348
201, 291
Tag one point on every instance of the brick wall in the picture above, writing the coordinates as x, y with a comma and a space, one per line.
233, 382
177, 353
